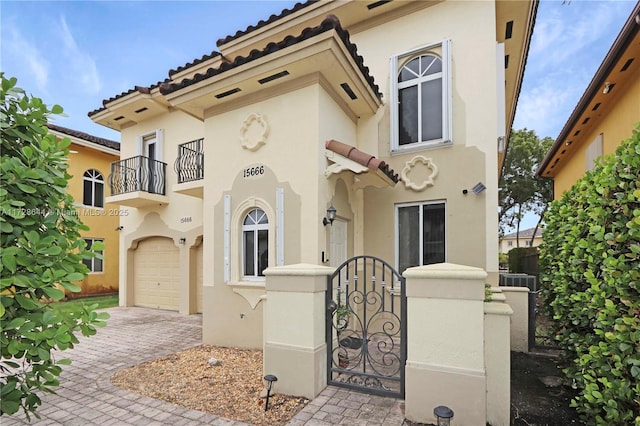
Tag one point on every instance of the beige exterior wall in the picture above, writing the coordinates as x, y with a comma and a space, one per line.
180, 217
615, 125
471, 229
293, 120
102, 222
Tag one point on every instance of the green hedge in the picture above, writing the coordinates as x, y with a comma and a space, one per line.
590, 274
516, 264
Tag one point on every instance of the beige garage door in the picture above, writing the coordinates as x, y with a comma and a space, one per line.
199, 279
156, 274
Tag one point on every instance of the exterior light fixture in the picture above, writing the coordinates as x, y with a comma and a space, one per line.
478, 188
269, 378
443, 415
331, 216
607, 88
182, 240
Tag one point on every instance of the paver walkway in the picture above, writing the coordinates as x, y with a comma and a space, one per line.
134, 335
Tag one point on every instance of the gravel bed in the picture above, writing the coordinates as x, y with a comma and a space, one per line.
233, 388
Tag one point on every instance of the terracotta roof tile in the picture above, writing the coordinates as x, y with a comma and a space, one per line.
362, 158
262, 23
331, 22
85, 136
139, 89
195, 62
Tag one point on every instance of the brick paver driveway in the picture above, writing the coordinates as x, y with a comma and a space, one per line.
132, 335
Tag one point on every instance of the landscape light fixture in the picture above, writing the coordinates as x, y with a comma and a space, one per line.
331, 216
269, 378
443, 415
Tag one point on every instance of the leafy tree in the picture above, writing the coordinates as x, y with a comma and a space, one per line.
42, 253
590, 274
520, 190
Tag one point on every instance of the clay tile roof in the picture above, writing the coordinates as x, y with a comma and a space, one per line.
139, 89
331, 22
262, 23
194, 63
362, 158
85, 136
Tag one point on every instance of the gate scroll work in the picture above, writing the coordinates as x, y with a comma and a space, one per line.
366, 327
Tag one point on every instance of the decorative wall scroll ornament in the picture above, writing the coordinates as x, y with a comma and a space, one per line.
254, 132
426, 165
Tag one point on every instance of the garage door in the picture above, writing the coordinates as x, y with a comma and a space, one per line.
156, 274
199, 279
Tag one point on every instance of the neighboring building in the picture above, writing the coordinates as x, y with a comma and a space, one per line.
395, 113
90, 159
510, 241
605, 115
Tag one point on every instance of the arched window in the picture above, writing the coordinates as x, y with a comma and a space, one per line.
93, 191
255, 243
420, 100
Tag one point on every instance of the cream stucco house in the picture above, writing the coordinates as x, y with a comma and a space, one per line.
395, 113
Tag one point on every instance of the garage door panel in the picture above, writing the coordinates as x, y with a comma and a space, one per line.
156, 274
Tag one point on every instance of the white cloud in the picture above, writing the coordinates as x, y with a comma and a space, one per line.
19, 49
81, 64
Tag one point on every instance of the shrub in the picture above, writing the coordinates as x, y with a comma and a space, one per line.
516, 255
590, 274
42, 253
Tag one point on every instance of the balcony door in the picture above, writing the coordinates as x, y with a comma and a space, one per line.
149, 165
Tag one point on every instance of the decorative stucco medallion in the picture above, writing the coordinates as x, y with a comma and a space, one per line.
423, 170
254, 132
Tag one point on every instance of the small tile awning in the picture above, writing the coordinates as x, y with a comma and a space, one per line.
371, 171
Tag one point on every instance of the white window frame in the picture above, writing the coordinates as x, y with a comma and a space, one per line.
421, 221
93, 259
441, 49
157, 137
93, 180
254, 228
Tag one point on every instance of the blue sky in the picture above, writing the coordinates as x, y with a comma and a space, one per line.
77, 53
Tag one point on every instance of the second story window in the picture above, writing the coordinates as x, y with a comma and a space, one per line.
421, 99
93, 188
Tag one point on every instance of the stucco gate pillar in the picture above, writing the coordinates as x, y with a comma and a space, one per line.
295, 350
445, 343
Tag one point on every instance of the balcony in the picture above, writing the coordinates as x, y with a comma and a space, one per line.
138, 182
189, 167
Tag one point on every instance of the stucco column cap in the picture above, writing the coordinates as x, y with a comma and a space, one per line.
446, 271
497, 308
299, 269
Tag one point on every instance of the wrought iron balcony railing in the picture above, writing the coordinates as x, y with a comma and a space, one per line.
190, 162
137, 174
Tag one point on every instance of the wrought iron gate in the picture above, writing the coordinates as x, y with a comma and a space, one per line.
366, 327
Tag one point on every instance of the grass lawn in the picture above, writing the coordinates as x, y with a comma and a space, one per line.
107, 301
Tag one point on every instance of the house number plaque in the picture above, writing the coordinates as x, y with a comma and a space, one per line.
253, 171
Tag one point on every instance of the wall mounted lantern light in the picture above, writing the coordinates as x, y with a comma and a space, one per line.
182, 240
331, 216
443, 415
